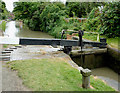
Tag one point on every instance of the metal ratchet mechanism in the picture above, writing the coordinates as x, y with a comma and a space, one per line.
80, 33
66, 49
69, 48
63, 32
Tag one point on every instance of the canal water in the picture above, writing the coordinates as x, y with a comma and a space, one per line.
105, 73
13, 30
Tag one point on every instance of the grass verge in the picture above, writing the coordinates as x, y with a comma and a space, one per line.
113, 42
53, 75
5, 46
9, 45
3, 25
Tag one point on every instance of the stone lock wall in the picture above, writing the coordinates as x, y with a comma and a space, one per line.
113, 59
110, 58
91, 59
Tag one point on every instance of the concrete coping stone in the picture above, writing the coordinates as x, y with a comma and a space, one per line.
13, 48
86, 72
8, 49
4, 57
80, 68
6, 52
19, 46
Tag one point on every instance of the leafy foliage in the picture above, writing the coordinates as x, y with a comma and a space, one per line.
51, 17
3, 11
3, 25
106, 21
93, 21
23, 9
110, 17
81, 9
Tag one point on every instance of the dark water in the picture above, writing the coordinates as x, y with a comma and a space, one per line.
15, 31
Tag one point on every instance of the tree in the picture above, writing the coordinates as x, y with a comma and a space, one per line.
106, 21
111, 19
34, 9
82, 8
51, 16
3, 11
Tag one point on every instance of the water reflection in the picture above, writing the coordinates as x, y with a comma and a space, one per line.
108, 75
14, 31
11, 30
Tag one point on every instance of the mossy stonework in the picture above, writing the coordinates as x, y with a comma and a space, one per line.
91, 61
109, 58
113, 57
92, 58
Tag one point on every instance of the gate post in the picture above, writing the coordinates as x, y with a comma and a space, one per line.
86, 78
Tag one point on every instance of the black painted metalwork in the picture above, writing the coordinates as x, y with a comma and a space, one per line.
80, 33
63, 42
39, 41
103, 40
63, 32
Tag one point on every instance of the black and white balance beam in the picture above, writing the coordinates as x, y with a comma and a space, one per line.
45, 41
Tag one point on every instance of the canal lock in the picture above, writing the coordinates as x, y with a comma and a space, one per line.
94, 57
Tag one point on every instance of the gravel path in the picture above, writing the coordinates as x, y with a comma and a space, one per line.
9, 81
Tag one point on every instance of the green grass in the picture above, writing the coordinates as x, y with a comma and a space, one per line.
9, 45
113, 42
90, 36
3, 26
53, 75
5, 45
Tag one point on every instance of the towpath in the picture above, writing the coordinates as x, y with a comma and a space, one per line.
9, 81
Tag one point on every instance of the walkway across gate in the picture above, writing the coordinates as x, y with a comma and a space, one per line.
41, 41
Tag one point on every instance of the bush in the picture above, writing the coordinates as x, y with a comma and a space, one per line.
65, 27
50, 17
93, 21
106, 21
111, 19
3, 25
